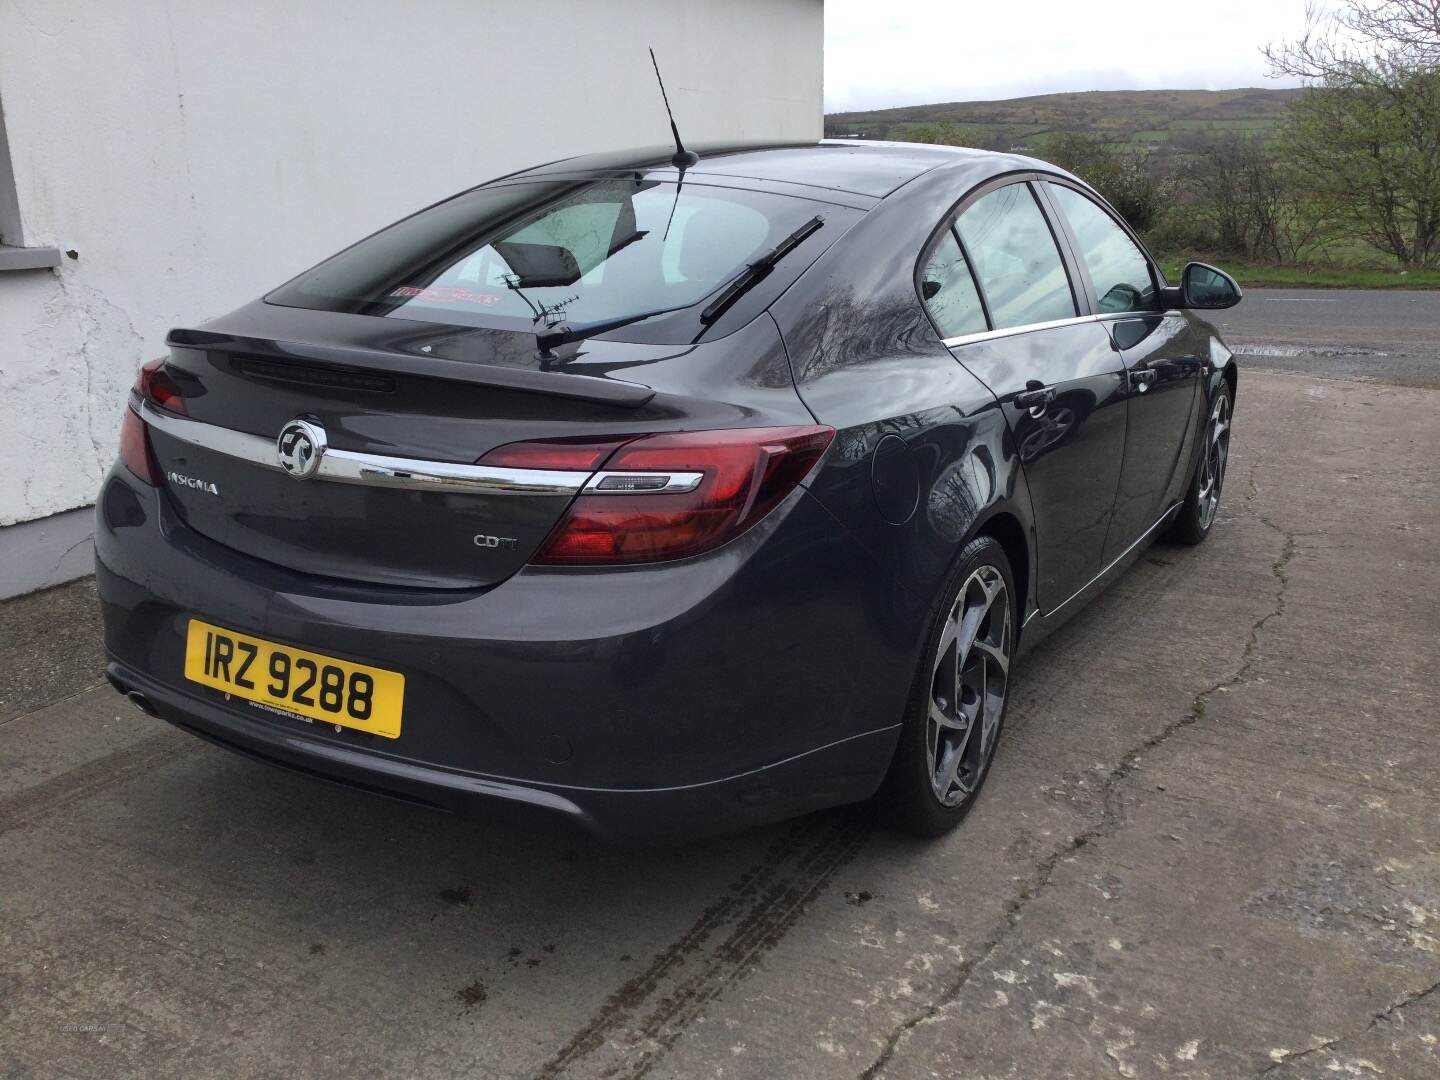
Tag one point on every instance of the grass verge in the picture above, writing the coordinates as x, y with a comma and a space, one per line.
1306, 277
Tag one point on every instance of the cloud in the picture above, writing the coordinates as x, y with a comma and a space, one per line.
922, 51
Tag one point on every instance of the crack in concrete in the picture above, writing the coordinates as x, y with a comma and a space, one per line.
1384, 1016
1111, 816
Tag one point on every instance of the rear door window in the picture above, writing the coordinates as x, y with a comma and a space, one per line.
1016, 259
949, 290
1118, 268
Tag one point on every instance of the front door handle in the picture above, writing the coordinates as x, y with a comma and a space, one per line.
1182, 365
1142, 379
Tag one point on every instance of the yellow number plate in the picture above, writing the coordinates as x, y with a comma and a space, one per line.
294, 681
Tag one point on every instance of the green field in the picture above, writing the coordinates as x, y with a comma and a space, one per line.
1165, 120
1169, 125
1175, 128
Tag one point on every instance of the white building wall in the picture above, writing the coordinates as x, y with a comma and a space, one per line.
193, 153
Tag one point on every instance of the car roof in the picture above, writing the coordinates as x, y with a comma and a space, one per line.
856, 167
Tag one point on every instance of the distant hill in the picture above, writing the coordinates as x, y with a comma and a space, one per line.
1163, 119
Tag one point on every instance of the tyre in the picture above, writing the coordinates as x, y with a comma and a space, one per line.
1197, 515
952, 721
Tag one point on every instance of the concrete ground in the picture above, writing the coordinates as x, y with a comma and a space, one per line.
1210, 848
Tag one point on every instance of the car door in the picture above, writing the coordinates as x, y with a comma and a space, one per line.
1162, 367
1001, 294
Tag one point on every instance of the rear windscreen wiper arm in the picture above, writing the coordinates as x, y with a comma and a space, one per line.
756, 271
742, 283
550, 339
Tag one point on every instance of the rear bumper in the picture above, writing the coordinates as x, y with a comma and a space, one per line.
813, 780
758, 682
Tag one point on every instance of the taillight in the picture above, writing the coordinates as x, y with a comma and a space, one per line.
563, 454
674, 495
158, 386
135, 448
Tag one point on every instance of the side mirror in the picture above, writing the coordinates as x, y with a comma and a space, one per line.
1206, 288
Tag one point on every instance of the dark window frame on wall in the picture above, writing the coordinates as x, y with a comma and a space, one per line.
14, 255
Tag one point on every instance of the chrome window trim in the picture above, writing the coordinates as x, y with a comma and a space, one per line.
1030, 328
1123, 316
1024, 328
371, 470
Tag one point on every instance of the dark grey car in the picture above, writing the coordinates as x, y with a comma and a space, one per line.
666, 500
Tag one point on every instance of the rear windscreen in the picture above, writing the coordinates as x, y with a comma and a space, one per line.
534, 255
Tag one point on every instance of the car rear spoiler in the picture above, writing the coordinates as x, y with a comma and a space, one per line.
553, 383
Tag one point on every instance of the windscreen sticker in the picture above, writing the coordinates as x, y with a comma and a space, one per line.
445, 294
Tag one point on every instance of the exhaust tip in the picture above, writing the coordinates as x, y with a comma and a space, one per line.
141, 702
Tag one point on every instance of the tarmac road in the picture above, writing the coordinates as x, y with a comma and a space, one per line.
1210, 846
1390, 335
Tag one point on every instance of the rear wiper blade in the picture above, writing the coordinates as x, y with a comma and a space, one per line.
756, 271
743, 282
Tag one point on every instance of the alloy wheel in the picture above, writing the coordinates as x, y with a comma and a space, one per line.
1217, 455
967, 687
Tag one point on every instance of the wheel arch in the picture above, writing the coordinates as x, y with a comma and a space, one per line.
1231, 374
1005, 529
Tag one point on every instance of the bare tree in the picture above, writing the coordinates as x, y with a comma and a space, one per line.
1254, 202
1368, 134
1122, 174
1353, 41
1411, 26
1221, 175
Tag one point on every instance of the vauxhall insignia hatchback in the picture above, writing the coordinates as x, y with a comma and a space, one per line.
661, 494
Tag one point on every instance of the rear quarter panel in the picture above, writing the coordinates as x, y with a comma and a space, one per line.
867, 360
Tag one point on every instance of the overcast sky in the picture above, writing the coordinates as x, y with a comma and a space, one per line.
880, 53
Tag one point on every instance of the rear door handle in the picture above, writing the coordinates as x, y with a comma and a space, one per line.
1035, 397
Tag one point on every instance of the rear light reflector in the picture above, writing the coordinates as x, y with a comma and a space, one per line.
158, 386
135, 448
675, 495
